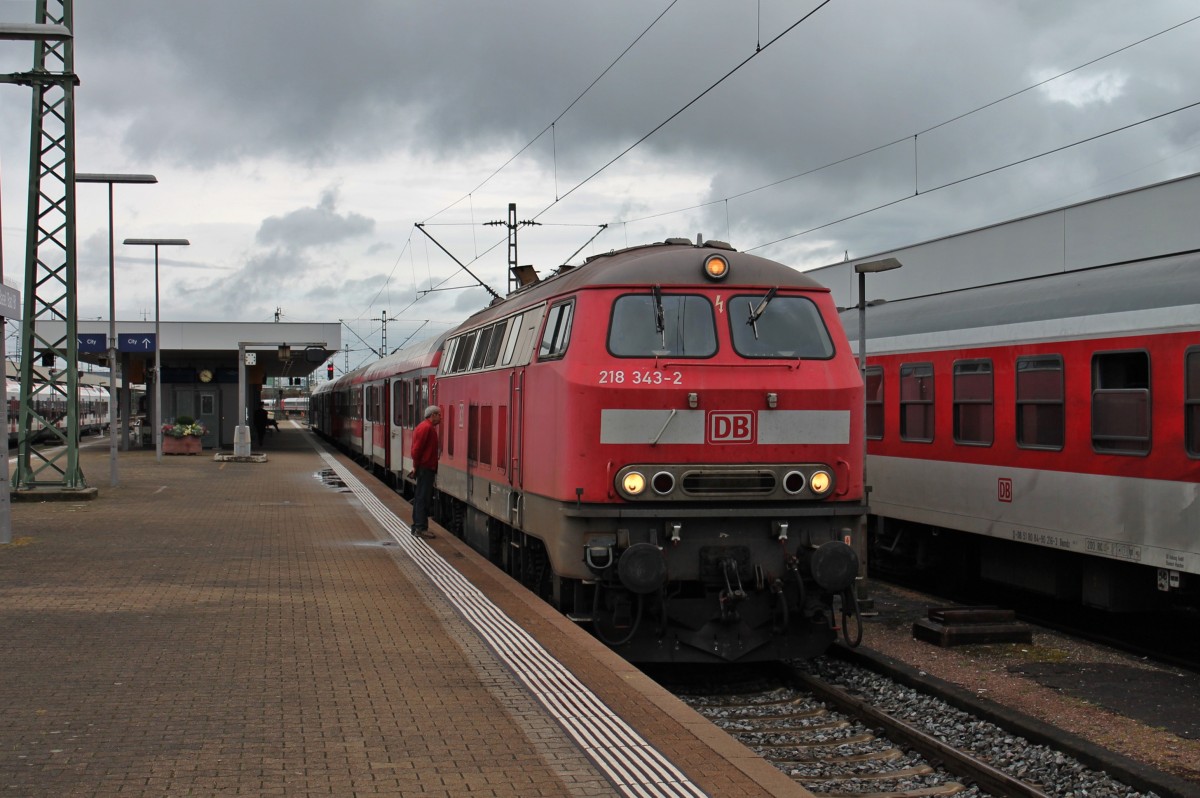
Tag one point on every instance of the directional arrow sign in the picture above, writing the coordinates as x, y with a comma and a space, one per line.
136, 342
93, 342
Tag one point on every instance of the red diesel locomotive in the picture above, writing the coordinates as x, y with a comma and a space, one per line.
666, 443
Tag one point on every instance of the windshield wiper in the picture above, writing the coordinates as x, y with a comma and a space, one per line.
756, 313
660, 325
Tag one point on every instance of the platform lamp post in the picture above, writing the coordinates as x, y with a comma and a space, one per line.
110, 179
156, 243
862, 270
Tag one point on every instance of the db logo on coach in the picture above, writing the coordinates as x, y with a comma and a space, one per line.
731, 428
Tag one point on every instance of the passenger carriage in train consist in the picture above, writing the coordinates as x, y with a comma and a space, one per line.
52, 406
1043, 434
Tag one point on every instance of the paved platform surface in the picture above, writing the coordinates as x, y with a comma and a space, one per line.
214, 628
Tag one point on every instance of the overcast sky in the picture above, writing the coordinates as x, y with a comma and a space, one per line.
298, 142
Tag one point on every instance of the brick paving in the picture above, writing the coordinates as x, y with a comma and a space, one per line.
222, 629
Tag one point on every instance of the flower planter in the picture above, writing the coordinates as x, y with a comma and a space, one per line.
187, 444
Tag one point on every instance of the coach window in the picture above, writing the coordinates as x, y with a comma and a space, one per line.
780, 326
1041, 420
1191, 393
557, 334
1121, 402
973, 402
656, 325
874, 402
916, 402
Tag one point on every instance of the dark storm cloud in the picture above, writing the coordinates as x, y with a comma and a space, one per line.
310, 81
311, 227
328, 91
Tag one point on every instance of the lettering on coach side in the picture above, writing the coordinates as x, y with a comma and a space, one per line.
730, 427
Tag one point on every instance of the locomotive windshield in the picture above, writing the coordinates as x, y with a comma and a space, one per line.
649, 325
789, 326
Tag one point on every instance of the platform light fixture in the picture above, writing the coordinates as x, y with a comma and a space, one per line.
111, 179
862, 270
156, 243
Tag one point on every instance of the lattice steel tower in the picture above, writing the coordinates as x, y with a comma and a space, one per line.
50, 274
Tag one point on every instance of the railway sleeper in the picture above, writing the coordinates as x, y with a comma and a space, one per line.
815, 745
949, 788
905, 773
882, 755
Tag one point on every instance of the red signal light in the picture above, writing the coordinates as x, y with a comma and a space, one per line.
329, 371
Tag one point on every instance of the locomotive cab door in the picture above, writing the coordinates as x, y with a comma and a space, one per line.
513, 446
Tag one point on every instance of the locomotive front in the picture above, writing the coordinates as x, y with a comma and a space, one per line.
712, 481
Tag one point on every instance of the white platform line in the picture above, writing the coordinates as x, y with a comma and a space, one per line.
632, 764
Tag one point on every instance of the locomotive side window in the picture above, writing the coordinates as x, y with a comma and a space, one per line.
1041, 420
874, 403
448, 355
466, 348
558, 332
485, 343
778, 326
973, 402
916, 401
683, 328
1191, 393
1121, 402
493, 347
510, 345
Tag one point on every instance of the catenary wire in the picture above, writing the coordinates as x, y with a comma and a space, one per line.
984, 173
911, 136
556, 119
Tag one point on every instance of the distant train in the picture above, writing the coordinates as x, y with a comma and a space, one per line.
52, 406
1043, 434
293, 407
665, 443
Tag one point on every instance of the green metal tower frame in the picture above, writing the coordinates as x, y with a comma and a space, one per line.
51, 461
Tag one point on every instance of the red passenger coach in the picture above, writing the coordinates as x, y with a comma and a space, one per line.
666, 443
1044, 434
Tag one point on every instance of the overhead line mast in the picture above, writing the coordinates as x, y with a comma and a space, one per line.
50, 260
512, 225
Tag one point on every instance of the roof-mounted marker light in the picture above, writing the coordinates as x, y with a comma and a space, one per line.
716, 267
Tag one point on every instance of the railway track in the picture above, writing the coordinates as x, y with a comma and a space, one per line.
839, 742
835, 744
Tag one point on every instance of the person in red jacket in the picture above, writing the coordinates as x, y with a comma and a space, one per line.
425, 450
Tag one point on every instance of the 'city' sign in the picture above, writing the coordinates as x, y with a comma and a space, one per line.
136, 342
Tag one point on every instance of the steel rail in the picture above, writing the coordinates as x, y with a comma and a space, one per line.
961, 765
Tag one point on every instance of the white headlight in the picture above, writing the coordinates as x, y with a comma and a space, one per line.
633, 483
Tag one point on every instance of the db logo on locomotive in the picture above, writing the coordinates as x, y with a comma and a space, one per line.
728, 427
